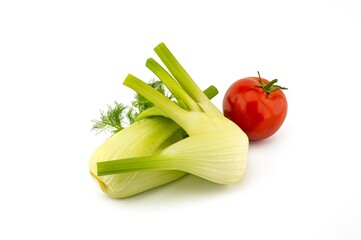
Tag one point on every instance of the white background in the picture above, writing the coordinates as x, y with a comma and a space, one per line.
63, 61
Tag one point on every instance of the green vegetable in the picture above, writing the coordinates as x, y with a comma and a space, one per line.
216, 148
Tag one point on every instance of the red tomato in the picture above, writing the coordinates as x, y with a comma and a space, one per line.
257, 106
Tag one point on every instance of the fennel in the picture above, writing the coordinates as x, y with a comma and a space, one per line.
216, 148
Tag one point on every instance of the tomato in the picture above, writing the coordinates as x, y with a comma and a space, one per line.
257, 106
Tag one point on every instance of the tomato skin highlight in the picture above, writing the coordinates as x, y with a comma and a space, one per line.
258, 113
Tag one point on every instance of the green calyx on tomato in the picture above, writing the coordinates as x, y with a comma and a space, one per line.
269, 87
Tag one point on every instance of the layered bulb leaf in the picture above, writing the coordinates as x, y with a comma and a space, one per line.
143, 138
216, 149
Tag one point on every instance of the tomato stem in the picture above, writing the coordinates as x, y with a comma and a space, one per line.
270, 87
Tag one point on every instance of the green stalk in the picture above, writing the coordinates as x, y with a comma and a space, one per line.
172, 85
134, 164
179, 73
210, 92
184, 79
189, 121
